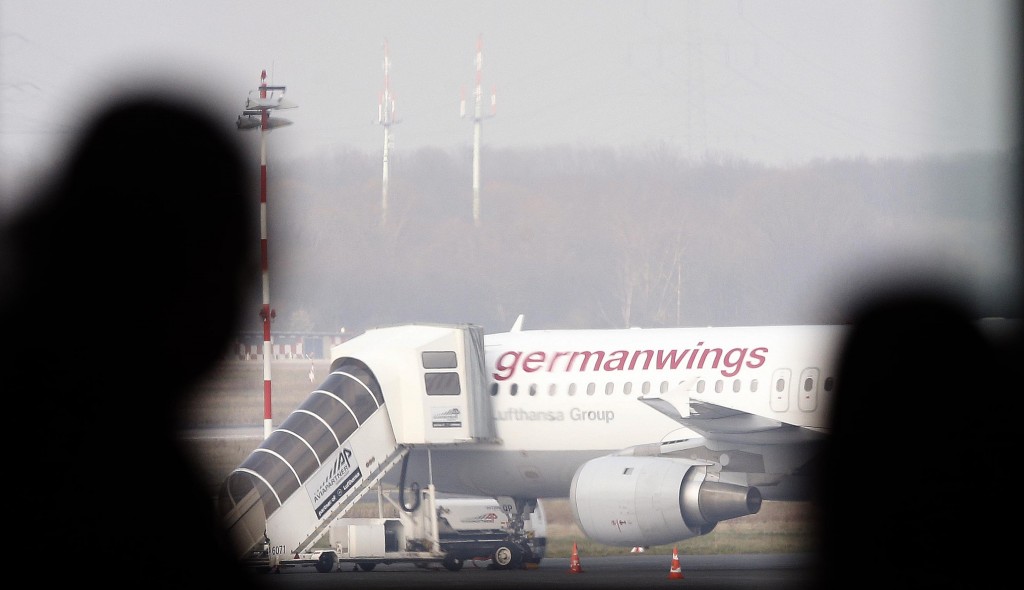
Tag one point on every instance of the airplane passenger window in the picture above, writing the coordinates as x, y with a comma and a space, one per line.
552, 389
700, 386
664, 386
829, 383
591, 388
514, 389
780, 385
808, 384
627, 387
494, 389
533, 389
572, 389
753, 385
736, 385
718, 386
646, 388
609, 388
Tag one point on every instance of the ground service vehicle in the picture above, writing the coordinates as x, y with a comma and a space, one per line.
446, 531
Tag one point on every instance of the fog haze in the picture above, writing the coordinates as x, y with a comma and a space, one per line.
648, 163
575, 237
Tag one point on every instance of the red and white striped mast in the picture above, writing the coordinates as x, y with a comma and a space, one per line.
257, 114
478, 116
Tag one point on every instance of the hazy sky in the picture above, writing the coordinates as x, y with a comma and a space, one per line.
773, 81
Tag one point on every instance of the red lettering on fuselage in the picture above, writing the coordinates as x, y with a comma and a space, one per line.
729, 361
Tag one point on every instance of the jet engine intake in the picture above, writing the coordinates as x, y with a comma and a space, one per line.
629, 501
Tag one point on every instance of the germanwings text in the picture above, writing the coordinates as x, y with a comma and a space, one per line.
729, 362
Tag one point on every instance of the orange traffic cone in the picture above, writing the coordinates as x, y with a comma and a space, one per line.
574, 562
675, 572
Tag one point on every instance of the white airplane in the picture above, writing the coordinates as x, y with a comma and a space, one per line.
655, 435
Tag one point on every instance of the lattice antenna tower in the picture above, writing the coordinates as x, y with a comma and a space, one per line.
477, 117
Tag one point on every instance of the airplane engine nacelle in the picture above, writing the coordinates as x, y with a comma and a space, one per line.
631, 501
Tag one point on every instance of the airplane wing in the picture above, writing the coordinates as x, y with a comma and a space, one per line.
726, 424
744, 448
710, 418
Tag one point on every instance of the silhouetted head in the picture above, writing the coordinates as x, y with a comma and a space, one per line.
140, 247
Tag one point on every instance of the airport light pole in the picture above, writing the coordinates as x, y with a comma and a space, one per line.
257, 115
477, 117
386, 118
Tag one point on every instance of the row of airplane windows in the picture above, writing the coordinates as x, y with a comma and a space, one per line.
645, 387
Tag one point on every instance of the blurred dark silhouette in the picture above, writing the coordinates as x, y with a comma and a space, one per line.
917, 486
142, 245
914, 471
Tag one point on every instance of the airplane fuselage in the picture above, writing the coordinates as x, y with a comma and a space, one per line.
560, 398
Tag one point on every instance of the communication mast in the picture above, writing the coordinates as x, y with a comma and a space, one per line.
257, 115
478, 116
386, 118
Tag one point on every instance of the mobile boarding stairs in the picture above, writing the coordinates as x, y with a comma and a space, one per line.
388, 390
